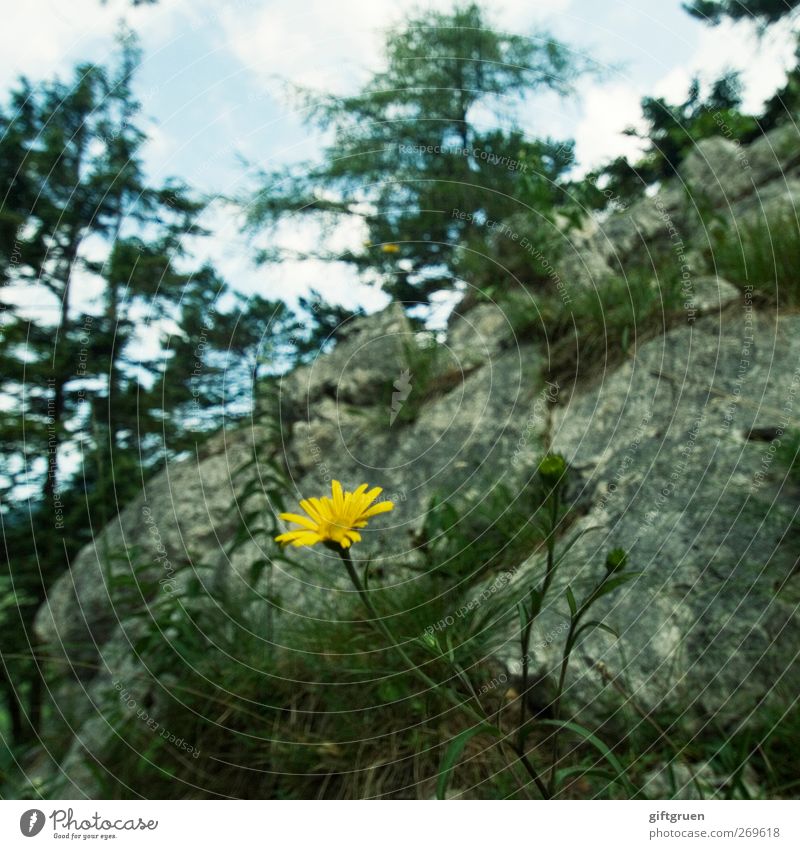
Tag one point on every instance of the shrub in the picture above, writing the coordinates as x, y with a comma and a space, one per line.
601, 325
760, 251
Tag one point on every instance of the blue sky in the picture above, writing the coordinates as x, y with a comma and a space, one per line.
211, 91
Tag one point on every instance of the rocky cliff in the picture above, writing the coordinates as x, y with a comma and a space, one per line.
671, 442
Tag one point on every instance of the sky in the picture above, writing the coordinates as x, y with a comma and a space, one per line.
212, 85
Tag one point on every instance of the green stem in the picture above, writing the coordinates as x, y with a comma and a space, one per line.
381, 626
571, 636
549, 574
530, 617
536, 606
557, 703
523, 698
568, 646
270, 608
429, 682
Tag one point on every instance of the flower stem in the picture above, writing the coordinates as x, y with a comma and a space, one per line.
428, 681
381, 625
572, 635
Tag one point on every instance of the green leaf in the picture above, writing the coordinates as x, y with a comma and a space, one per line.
429, 642
598, 744
569, 771
573, 605
568, 545
595, 624
451, 655
523, 617
536, 602
613, 583
453, 753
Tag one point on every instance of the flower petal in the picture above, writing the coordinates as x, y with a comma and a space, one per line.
303, 521
370, 496
323, 507
311, 508
334, 518
380, 507
338, 495
298, 538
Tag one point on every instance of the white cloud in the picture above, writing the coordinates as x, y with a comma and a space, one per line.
230, 252
763, 61
318, 44
331, 45
336, 283
607, 111
43, 37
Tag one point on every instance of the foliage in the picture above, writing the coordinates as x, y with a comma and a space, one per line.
601, 325
672, 131
785, 103
325, 711
763, 11
100, 390
326, 324
495, 534
407, 152
759, 251
397, 689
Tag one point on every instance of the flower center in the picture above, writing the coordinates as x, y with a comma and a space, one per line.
334, 529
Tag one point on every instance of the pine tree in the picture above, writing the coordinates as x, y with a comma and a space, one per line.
764, 12
97, 275
408, 153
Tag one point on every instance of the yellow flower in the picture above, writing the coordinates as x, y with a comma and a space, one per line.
335, 519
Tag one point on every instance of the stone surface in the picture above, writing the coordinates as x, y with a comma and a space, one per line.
663, 463
717, 172
474, 430
662, 450
710, 295
776, 155
679, 781
373, 351
477, 335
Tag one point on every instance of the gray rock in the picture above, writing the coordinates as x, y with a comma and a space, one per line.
661, 448
474, 431
651, 220
700, 781
717, 172
183, 516
374, 351
710, 295
776, 155
663, 463
477, 335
